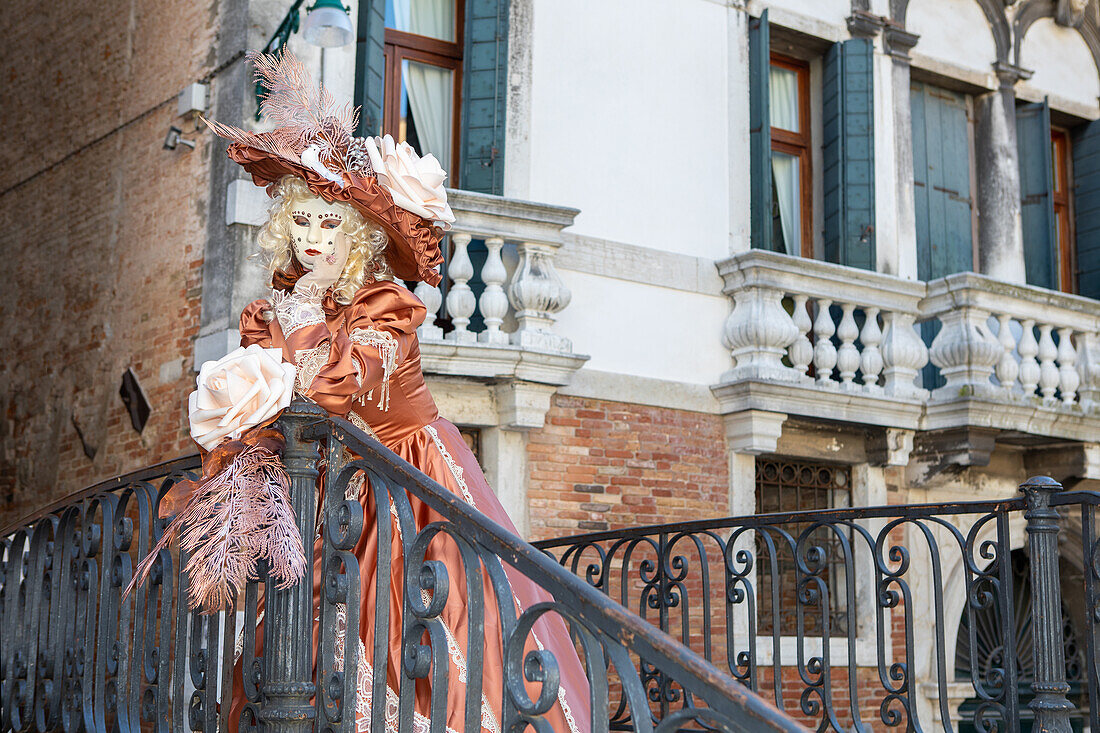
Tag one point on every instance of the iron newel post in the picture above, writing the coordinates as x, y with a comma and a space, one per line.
288, 629
1052, 709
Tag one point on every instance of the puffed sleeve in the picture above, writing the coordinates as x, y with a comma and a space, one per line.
355, 361
254, 328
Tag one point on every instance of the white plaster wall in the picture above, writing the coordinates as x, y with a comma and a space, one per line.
628, 119
833, 12
1062, 63
646, 331
952, 31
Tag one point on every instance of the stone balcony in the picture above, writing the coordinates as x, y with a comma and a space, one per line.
1017, 365
513, 346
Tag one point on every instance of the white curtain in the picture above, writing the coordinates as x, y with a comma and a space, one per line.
783, 105
430, 88
785, 176
783, 98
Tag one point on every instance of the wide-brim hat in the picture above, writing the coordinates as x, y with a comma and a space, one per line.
386, 182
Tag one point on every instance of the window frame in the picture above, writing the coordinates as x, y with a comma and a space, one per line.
799, 144
1062, 203
404, 46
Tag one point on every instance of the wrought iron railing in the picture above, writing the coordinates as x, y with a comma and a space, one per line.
964, 616
78, 655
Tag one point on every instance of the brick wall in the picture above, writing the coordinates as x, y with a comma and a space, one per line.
599, 464
103, 237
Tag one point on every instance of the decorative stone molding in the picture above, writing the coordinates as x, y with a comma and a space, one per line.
753, 432
864, 24
898, 41
938, 451
1067, 464
523, 405
891, 447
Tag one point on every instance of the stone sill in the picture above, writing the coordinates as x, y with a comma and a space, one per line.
492, 361
808, 400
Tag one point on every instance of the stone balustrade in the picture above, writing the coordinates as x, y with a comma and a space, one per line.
1014, 344
834, 343
810, 322
520, 298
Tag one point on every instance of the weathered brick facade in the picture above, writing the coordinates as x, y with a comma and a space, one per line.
598, 465
104, 238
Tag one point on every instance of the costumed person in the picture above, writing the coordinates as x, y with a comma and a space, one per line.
349, 216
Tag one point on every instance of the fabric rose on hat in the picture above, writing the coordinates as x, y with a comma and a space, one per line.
243, 389
415, 183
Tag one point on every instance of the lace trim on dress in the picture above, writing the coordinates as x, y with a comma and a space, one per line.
364, 689
309, 362
360, 423
456, 470
298, 309
387, 350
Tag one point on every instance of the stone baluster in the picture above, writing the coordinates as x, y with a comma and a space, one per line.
966, 351
432, 298
824, 352
757, 333
801, 352
537, 293
847, 358
1068, 378
903, 355
1007, 368
871, 359
494, 301
1048, 370
460, 300
1088, 367
1027, 349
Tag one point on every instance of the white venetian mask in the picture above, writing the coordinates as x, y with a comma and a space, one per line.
315, 233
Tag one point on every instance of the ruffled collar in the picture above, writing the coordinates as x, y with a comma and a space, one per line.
286, 280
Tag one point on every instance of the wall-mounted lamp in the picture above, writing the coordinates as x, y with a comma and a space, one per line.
327, 25
173, 139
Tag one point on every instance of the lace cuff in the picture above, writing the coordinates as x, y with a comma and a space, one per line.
299, 309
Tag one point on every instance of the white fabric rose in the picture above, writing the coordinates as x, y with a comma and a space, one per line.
415, 183
237, 392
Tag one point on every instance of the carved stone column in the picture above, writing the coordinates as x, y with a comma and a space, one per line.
966, 351
757, 333
1052, 709
537, 293
1000, 232
287, 691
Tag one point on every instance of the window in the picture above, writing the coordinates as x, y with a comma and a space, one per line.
1060, 190
782, 145
792, 180
942, 173
790, 486
423, 76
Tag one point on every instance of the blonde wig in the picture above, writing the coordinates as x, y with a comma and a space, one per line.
367, 240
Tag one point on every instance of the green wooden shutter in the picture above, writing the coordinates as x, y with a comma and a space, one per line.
370, 62
848, 153
760, 135
941, 182
1036, 196
1086, 193
484, 96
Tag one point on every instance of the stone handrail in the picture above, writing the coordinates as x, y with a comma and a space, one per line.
1004, 341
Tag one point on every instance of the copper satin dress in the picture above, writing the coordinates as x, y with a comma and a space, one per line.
363, 362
